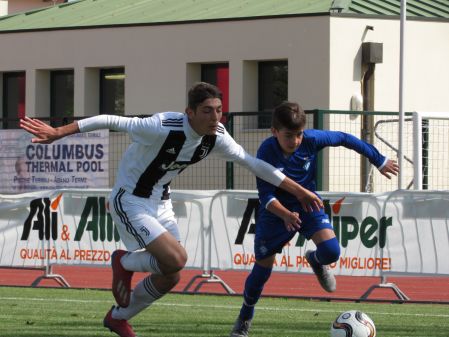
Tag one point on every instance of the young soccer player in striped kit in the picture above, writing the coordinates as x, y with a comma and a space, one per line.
294, 150
162, 147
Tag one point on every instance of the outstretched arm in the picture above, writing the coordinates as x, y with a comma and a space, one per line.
309, 200
231, 151
326, 138
46, 134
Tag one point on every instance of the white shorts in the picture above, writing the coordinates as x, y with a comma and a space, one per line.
141, 220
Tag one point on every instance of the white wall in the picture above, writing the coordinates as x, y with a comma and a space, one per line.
3, 7
426, 85
425, 68
324, 56
160, 60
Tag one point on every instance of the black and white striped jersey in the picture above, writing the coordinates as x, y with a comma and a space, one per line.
164, 145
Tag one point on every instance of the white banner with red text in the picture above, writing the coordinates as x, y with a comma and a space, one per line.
403, 232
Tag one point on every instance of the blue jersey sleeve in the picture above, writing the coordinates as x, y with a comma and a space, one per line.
336, 138
266, 190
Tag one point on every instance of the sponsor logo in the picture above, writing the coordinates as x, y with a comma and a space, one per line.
370, 231
43, 218
174, 166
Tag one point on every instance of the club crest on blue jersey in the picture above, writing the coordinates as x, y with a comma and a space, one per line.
306, 166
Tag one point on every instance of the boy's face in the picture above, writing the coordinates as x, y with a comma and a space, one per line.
204, 120
288, 139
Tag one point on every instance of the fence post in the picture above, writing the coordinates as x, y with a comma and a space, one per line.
230, 165
318, 123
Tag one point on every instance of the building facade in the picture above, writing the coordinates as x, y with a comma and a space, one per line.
144, 68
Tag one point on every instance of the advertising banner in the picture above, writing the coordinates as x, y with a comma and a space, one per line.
404, 232
419, 239
57, 227
76, 161
357, 219
74, 227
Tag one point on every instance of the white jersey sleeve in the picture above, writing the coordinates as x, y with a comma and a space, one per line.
141, 130
228, 149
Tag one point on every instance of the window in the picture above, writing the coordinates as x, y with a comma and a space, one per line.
61, 96
273, 89
112, 91
218, 75
13, 99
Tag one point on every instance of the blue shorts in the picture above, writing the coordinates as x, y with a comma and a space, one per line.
271, 234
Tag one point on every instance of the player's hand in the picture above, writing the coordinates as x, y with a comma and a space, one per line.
390, 168
45, 134
310, 201
292, 221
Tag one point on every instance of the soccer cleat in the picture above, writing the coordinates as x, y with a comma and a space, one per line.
241, 328
120, 326
323, 274
121, 279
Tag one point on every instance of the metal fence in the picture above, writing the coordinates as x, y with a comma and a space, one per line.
339, 169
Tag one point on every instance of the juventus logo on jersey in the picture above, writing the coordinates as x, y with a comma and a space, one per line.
145, 231
204, 150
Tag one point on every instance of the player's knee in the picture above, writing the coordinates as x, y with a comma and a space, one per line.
165, 283
174, 262
173, 279
180, 260
328, 251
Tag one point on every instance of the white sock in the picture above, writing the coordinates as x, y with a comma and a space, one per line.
142, 297
140, 261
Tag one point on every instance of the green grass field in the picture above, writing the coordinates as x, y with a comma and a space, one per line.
43, 312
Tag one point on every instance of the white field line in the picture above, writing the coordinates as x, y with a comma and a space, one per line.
230, 307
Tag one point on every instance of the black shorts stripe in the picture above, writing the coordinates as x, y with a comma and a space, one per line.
168, 153
124, 218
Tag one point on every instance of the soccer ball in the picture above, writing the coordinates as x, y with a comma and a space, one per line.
353, 323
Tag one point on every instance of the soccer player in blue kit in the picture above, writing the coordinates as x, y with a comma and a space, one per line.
294, 151
162, 147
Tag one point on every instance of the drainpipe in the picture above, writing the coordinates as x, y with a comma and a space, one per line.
367, 125
371, 54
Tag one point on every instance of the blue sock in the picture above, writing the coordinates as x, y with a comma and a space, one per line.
326, 252
253, 289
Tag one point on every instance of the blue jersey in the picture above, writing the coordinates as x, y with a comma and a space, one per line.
301, 165
271, 234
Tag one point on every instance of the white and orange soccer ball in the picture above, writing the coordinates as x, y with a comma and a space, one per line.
353, 323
